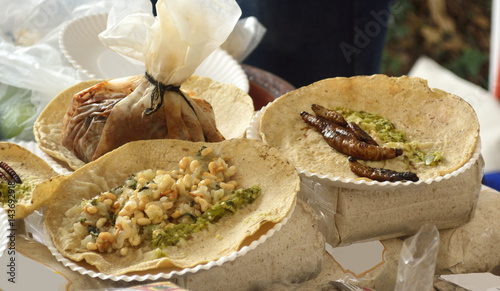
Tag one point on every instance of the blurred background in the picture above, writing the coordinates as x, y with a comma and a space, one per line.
454, 33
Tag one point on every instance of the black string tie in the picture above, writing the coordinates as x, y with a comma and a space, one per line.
158, 92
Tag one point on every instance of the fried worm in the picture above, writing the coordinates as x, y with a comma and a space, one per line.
361, 134
380, 174
343, 140
9, 171
329, 114
337, 118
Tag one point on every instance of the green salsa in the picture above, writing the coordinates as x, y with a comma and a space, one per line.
172, 234
19, 191
383, 129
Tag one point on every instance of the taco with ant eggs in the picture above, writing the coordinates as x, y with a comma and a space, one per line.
183, 204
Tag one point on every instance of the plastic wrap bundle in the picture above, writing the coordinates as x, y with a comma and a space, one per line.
151, 106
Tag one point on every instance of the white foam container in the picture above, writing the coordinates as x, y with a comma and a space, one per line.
352, 210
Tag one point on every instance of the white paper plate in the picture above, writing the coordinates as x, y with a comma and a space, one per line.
253, 133
4, 226
80, 44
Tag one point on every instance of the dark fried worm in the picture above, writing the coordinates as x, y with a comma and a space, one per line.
361, 134
338, 119
322, 124
3, 177
357, 148
343, 140
329, 114
8, 170
380, 174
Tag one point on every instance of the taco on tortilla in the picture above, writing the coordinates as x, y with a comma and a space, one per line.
93, 117
24, 180
181, 204
436, 131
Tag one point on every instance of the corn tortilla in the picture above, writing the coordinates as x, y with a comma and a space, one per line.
31, 169
441, 121
256, 162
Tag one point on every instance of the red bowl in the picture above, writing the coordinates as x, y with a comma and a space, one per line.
265, 86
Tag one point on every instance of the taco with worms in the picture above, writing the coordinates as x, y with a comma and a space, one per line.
430, 132
182, 204
24, 180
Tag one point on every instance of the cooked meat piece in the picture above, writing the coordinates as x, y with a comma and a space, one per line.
329, 114
343, 140
380, 174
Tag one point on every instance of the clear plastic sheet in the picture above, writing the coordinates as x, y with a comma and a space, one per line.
151, 106
324, 204
466, 250
32, 67
418, 260
34, 70
244, 38
174, 44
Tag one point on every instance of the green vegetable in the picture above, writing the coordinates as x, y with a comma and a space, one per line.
19, 189
383, 128
117, 190
93, 231
15, 111
171, 235
143, 188
131, 182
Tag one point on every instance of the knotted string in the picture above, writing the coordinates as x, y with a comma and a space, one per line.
158, 92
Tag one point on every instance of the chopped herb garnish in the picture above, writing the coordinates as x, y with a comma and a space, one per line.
117, 190
93, 231
143, 188
131, 182
198, 154
112, 217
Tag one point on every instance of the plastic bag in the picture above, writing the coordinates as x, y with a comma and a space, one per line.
244, 38
32, 68
152, 105
418, 260
16, 112
324, 204
176, 43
